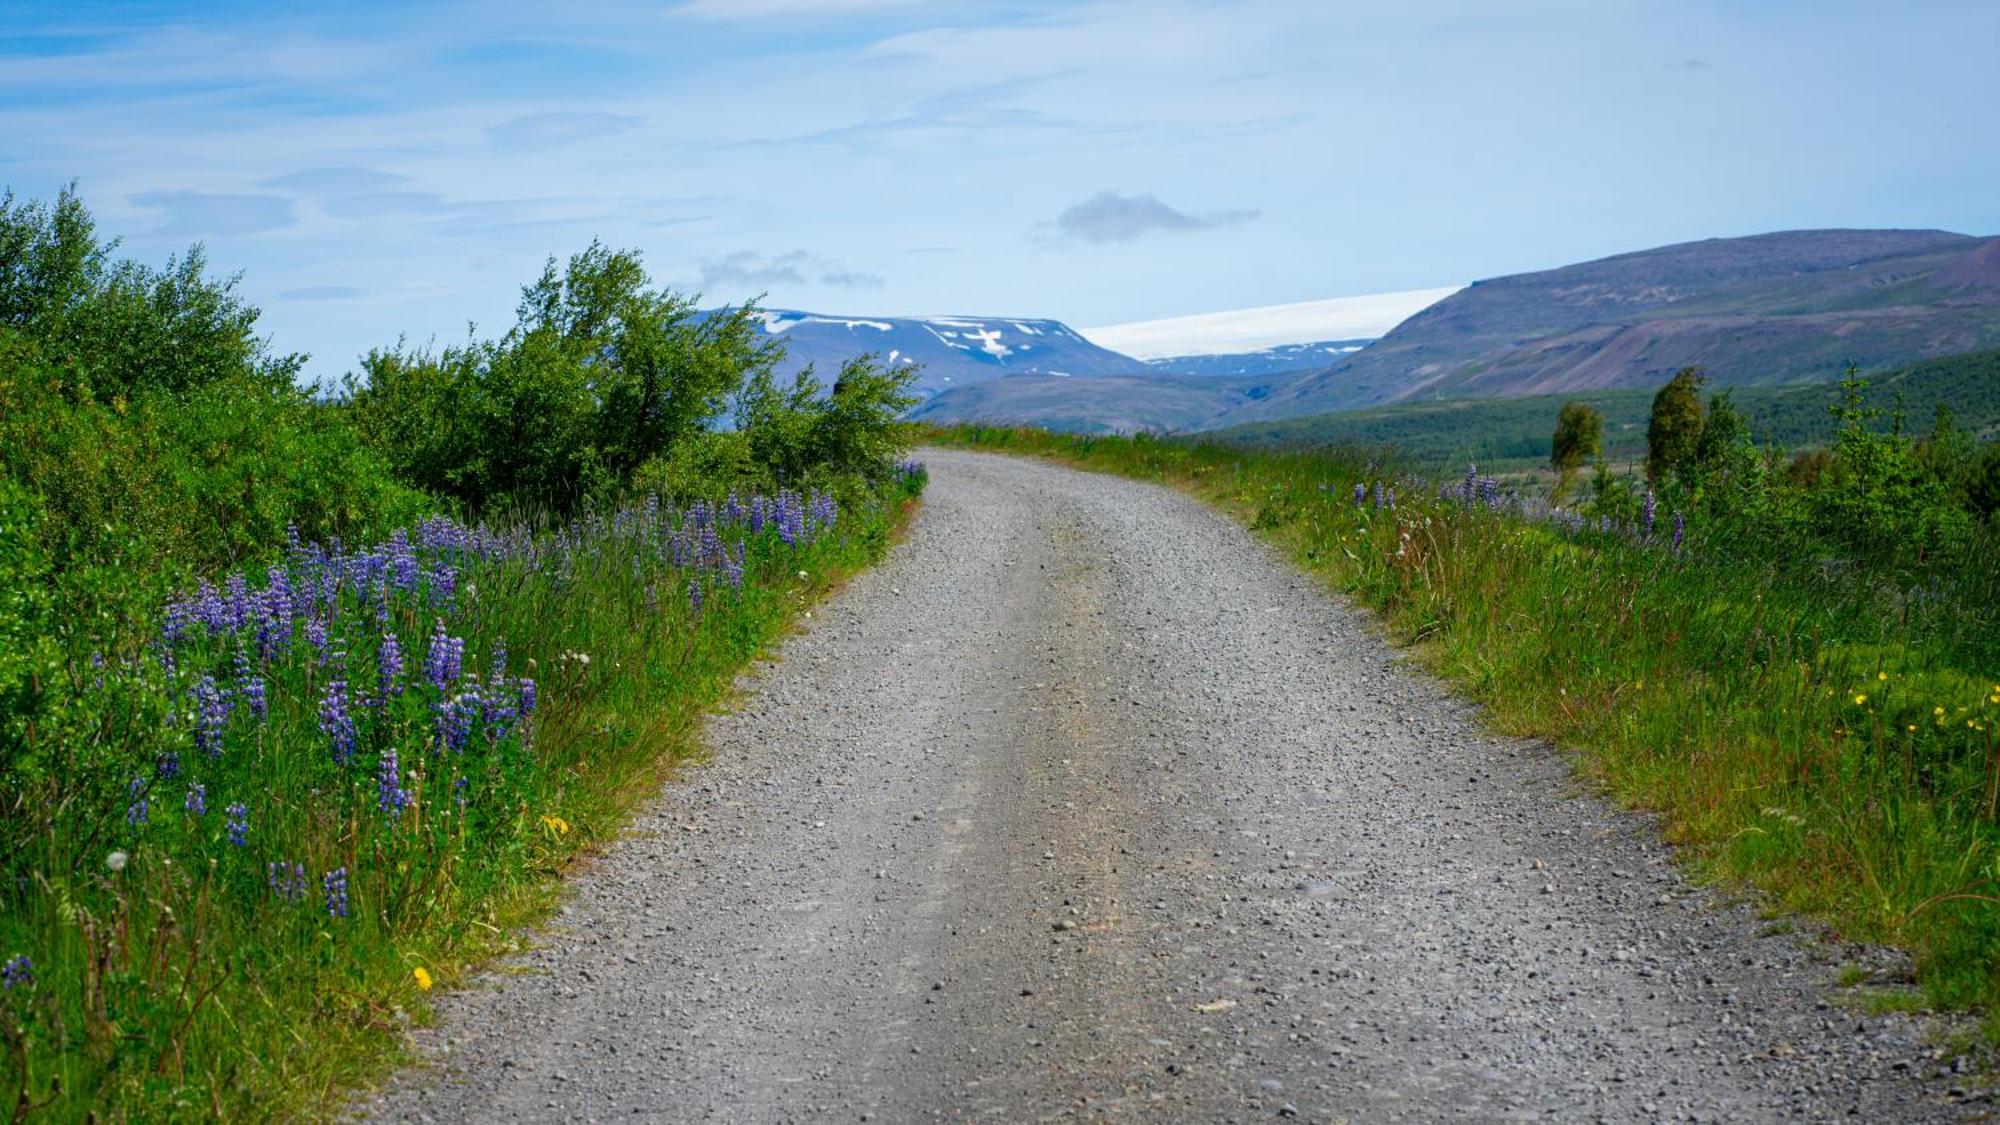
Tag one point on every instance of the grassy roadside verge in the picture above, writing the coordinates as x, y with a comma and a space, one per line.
389, 756
1812, 738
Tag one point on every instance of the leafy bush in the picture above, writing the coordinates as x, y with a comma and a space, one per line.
117, 327
600, 375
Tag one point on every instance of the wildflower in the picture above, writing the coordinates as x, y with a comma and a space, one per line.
136, 813
527, 691
1360, 494
18, 972
334, 885
1648, 510
116, 861
335, 721
1882, 676
694, 594
168, 765
211, 715
197, 800
287, 880
445, 658
1680, 529
1860, 697
391, 797
389, 670
556, 824
423, 978
239, 824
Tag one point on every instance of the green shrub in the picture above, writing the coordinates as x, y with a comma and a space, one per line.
600, 374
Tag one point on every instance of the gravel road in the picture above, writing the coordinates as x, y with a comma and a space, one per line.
1084, 805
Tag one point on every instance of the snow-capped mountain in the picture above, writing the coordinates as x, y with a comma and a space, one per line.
952, 351
1264, 361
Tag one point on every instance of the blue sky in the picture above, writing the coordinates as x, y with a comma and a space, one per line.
401, 169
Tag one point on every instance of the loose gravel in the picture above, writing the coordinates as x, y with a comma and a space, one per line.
1083, 804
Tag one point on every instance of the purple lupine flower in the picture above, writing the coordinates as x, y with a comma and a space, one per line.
211, 715
388, 670
334, 884
239, 824
1378, 495
455, 719
444, 660
402, 562
391, 797
1647, 511
694, 596
444, 582
335, 722
1471, 483
138, 813
167, 766
525, 686
1360, 494
287, 880
197, 800
316, 634
250, 688
1680, 529
1489, 491
18, 972
732, 568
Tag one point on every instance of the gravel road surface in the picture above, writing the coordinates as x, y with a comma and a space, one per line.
1084, 805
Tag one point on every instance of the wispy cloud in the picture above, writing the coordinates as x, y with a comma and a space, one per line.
747, 269
321, 293
766, 9
200, 214
1111, 217
548, 130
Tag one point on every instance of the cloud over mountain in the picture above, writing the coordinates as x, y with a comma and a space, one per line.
1111, 217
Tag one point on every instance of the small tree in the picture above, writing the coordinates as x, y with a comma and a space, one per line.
1579, 438
1673, 433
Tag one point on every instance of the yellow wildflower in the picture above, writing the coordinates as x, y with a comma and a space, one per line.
556, 824
423, 978
1860, 697
1883, 676
1939, 711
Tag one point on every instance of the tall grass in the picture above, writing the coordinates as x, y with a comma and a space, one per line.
1821, 730
318, 790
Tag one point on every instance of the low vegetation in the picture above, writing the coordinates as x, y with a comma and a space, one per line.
304, 701
1508, 435
1795, 660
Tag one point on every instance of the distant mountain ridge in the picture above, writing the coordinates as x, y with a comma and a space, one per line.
951, 351
1786, 307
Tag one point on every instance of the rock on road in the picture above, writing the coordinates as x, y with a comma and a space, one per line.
1083, 804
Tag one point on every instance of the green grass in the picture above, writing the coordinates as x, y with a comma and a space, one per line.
183, 980
1811, 729
1513, 433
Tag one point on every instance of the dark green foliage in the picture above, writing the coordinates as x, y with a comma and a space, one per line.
851, 429
1673, 430
1579, 438
117, 327
604, 380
